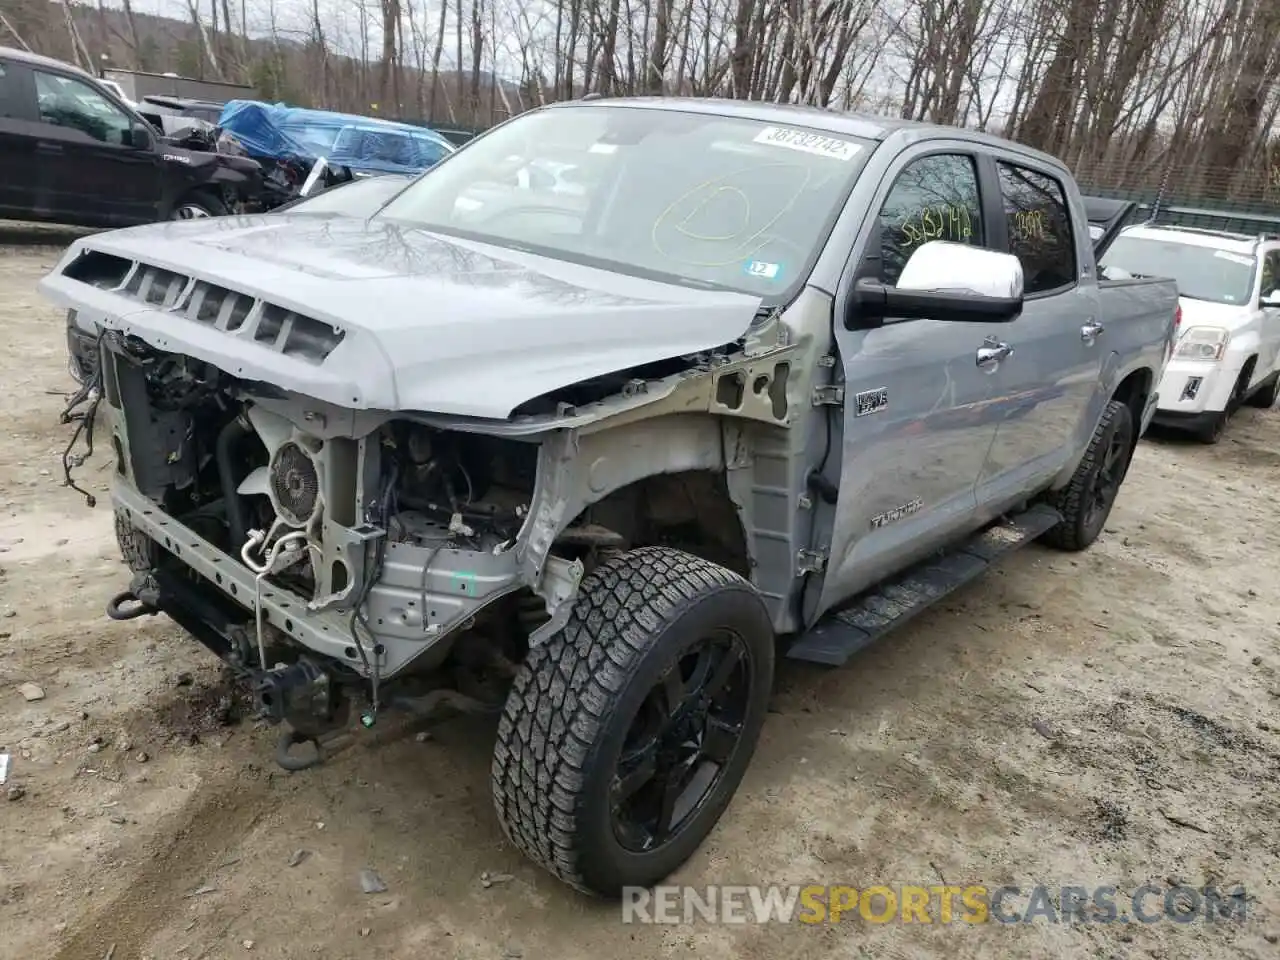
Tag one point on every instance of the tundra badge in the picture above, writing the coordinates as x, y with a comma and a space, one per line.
897, 513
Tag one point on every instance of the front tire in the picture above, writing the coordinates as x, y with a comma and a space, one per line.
1214, 430
1086, 502
627, 733
1265, 396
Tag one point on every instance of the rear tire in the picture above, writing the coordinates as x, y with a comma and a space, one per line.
1085, 503
627, 733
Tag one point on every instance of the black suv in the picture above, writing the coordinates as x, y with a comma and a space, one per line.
71, 152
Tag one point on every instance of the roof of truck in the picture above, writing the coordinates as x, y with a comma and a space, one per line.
36, 60
864, 125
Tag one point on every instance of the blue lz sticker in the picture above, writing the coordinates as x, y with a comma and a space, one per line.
762, 270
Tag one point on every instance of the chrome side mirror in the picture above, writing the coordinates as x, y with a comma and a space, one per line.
943, 281
941, 265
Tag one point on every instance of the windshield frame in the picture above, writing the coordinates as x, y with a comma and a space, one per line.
784, 295
1209, 252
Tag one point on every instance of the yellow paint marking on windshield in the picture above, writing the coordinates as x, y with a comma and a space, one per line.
727, 191
744, 240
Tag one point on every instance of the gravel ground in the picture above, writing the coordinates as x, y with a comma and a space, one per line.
1107, 718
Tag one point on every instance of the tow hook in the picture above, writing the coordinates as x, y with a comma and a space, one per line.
302, 696
125, 606
140, 600
285, 757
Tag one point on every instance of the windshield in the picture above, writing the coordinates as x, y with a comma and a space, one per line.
685, 197
1202, 273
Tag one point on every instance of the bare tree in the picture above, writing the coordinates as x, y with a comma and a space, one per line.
1130, 93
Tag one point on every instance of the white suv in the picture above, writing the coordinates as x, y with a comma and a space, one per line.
1228, 347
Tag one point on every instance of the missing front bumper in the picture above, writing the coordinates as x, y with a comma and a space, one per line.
423, 601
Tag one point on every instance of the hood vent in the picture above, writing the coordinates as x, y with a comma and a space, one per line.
159, 288
210, 304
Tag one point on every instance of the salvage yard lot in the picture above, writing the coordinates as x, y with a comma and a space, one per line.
1105, 718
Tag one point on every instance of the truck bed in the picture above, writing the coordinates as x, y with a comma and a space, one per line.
1139, 319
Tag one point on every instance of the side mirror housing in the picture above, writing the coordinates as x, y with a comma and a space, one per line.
141, 137
943, 281
1272, 299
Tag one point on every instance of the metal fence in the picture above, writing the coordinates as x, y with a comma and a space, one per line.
1240, 201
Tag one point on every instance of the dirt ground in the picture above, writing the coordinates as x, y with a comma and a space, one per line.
1107, 718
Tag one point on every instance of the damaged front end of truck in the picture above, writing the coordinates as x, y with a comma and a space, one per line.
299, 493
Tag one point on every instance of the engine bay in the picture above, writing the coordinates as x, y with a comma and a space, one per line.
201, 447
309, 538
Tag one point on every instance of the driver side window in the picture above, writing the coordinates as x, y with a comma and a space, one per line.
64, 102
934, 198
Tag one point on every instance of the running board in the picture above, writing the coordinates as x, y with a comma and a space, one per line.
842, 633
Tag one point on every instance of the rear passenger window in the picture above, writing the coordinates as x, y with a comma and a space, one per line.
934, 198
1039, 228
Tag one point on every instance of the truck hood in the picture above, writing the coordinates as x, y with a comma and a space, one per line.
421, 321
1205, 313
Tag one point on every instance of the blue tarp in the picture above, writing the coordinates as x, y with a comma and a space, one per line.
367, 144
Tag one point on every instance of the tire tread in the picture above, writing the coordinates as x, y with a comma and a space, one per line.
1070, 500
568, 688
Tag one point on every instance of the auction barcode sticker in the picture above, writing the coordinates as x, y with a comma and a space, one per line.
814, 143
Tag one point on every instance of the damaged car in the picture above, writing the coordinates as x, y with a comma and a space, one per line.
772, 381
303, 151
74, 154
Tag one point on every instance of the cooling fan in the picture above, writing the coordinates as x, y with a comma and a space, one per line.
291, 479
295, 484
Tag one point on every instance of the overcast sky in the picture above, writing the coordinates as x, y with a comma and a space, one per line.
341, 20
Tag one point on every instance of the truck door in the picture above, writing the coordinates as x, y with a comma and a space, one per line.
916, 426
1048, 389
19, 172
95, 174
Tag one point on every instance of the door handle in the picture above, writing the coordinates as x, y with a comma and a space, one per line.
48, 147
992, 352
1089, 332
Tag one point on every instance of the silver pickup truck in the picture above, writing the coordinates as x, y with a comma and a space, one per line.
770, 382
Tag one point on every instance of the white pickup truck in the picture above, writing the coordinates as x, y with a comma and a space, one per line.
1228, 349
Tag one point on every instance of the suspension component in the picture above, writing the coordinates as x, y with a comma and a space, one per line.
294, 693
